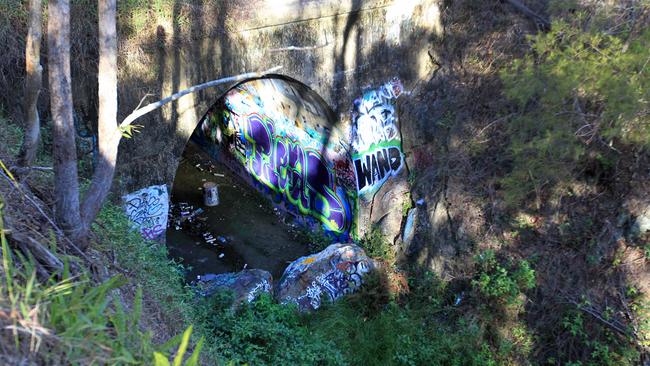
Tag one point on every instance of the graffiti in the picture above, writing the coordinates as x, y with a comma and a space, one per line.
344, 279
147, 210
278, 134
336, 271
151, 233
376, 142
261, 287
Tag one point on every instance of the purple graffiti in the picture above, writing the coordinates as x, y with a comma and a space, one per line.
301, 174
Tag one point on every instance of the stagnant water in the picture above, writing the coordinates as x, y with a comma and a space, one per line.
255, 235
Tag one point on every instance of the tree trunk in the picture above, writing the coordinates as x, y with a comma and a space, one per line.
33, 83
66, 186
108, 132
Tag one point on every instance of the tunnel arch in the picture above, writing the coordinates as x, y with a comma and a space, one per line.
285, 140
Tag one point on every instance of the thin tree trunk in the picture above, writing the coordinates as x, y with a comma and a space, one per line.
66, 186
108, 134
33, 83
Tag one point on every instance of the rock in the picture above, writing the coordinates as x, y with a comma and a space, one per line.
641, 224
246, 285
336, 271
409, 227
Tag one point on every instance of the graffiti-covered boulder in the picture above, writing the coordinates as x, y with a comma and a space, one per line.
336, 271
147, 210
246, 285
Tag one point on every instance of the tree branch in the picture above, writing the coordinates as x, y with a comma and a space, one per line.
193, 89
529, 13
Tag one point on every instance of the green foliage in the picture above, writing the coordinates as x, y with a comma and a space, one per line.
316, 239
376, 245
347, 332
11, 136
502, 283
264, 333
129, 130
87, 323
579, 88
409, 333
407, 204
148, 264
598, 344
160, 359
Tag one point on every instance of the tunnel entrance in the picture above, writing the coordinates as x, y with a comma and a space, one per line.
244, 230
282, 166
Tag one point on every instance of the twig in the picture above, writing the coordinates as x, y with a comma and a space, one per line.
142, 100
597, 315
54, 225
139, 112
529, 13
493, 122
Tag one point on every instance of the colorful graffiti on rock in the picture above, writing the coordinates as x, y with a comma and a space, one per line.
336, 271
286, 140
147, 209
376, 143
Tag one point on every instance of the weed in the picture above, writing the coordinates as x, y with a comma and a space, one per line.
502, 283
315, 238
376, 245
71, 319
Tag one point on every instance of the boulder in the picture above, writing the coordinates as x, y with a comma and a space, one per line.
641, 224
246, 285
336, 271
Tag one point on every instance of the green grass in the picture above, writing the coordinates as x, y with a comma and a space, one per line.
71, 319
148, 265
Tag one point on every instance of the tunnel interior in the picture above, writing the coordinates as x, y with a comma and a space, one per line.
281, 162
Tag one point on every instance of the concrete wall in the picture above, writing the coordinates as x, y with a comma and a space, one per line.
340, 49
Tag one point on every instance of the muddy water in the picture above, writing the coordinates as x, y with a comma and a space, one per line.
255, 234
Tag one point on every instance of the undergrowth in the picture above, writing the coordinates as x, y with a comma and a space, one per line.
72, 319
581, 93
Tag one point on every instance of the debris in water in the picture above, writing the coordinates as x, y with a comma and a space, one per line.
221, 255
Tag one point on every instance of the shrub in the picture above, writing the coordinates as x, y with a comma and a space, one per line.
502, 283
376, 245
579, 88
264, 333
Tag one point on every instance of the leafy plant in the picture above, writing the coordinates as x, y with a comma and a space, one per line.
161, 359
376, 245
501, 282
580, 88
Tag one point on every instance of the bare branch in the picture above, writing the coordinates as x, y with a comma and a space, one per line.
193, 89
543, 22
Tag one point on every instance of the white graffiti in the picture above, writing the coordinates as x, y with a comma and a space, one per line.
260, 287
374, 116
376, 142
147, 209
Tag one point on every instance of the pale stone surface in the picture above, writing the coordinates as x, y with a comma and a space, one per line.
328, 275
